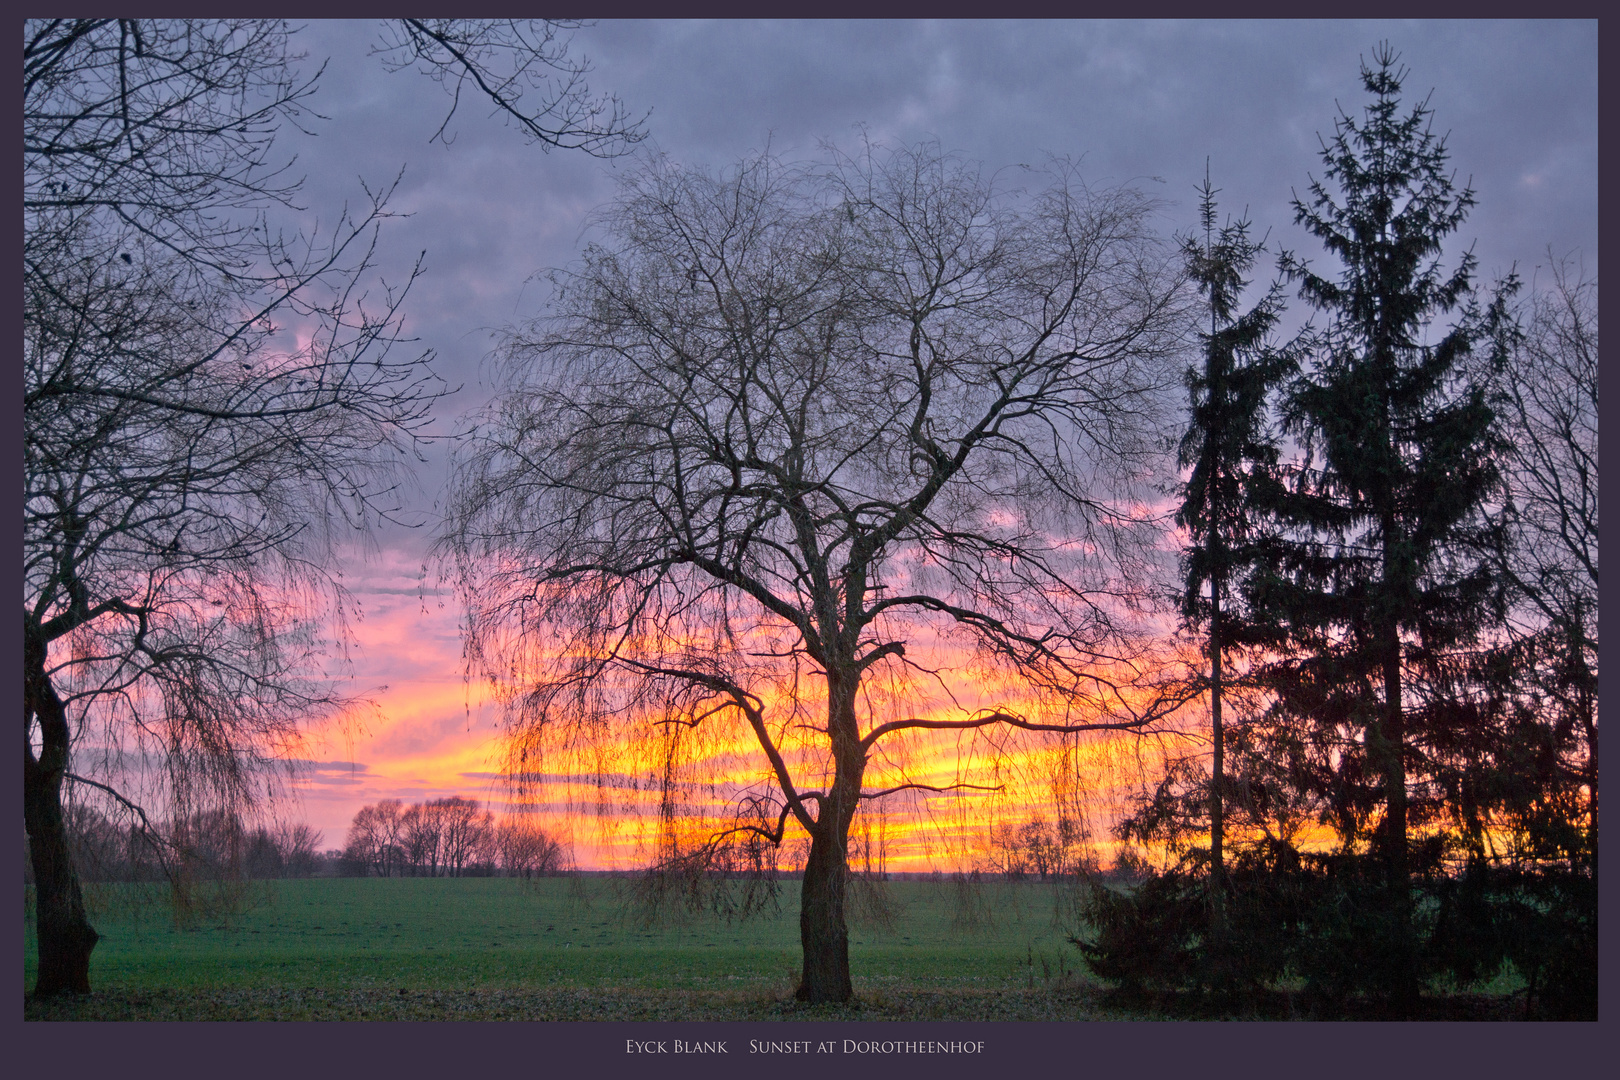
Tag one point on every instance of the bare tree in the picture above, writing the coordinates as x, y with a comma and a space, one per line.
447, 835
526, 850
503, 60
210, 400
420, 839
1550, 391
107, 848
1548, 400
804, 453
1034, 847
360, 844
467, 833
263, 856
298, 844
375, 839
389, 826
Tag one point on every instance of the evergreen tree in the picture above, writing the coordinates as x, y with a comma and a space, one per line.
1386, 575
1233, 458
1181, 929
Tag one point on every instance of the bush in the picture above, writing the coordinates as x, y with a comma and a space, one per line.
1541, 919
1326, 919
1157, 934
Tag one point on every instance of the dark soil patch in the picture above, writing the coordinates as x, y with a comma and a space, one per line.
1283, 1005
572, 1004
566, 1004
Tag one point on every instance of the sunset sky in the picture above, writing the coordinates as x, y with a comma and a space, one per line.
1145, 103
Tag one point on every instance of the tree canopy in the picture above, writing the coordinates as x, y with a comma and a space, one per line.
801, 441
214, 392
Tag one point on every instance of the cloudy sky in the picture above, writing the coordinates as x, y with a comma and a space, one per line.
1138, 103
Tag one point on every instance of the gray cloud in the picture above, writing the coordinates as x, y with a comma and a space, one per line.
1131, 100
1143, 102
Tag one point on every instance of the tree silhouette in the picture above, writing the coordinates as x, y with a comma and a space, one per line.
209, 403
799, 442
1233, 460
1519, 772
1548, 394
1388, 569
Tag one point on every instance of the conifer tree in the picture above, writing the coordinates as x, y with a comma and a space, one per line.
1233, 458
1386, 575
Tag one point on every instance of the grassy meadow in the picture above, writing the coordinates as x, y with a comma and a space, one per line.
581, 949
564, 948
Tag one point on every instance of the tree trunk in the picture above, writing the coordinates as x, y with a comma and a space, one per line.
1400, 876
65, 934
1393, 740
1216, 438
823, 933
1217, 823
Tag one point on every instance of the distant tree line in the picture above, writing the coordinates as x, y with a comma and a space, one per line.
212, 845
450, 837
1038, 850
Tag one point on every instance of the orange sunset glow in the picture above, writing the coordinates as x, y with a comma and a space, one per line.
433, 734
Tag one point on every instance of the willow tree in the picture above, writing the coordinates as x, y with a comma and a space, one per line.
798, 443
210, 402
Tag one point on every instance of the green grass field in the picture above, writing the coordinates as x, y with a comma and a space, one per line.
499, 946
575, 949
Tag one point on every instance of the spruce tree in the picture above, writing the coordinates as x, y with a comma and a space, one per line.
1387, 574
1233, 459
